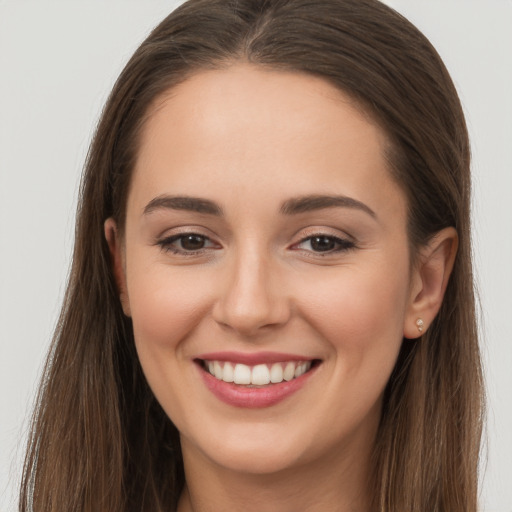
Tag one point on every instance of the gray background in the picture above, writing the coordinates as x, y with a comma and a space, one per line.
58, 61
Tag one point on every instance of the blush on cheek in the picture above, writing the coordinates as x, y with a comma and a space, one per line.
165, 311
362, 323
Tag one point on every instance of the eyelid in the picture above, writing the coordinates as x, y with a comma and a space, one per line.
345, 242
165, 242
312, 231
184, 229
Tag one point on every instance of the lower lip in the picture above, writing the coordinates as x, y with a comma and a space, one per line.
253, 398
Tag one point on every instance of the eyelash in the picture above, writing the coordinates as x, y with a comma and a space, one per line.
342, 244
167, 244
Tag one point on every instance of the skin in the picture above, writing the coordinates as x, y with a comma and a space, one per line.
250, 139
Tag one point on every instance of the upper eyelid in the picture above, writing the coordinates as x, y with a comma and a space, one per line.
177, 236
167, 245
305, 233
341, 240
191, 229
165, 236
326, 235
300, 236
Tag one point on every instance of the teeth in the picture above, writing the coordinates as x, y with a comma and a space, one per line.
300, 370
259, 375
289, 372
217, 370
276, 373
228, 374
242, 374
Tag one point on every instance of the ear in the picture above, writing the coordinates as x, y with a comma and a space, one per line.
429, 281
118, 262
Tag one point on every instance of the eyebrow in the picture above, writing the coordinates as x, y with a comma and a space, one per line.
319, 202
191, 204
292, 206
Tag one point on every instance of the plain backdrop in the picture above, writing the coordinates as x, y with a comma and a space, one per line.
58, 61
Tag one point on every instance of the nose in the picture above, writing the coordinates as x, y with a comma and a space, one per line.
251, 298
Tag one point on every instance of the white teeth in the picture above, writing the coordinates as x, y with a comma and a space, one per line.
300, 370
276, 373
217, 370
289, 372
258, 375
242, 374
228, 374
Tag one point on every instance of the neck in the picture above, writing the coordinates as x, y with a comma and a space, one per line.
337, 482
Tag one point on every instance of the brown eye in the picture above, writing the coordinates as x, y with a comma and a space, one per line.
192, 242
322, 243
187, 244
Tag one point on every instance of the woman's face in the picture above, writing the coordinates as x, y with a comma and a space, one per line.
265, 239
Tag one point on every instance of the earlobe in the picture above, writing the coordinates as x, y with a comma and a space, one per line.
429, 281
117, 257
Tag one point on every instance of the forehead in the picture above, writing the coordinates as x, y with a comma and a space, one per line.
255, 99
248, 128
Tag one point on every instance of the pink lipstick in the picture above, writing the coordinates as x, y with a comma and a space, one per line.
254, 380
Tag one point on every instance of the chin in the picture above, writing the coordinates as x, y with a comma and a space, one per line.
253, 450
256, 461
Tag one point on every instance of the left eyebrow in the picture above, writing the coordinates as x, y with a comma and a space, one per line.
191, 204
319, 202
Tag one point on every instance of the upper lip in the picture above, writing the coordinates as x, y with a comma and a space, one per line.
253, 358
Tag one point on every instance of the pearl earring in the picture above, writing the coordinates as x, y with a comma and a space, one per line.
419, 324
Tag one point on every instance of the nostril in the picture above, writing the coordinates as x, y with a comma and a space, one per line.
250, 299
248, 319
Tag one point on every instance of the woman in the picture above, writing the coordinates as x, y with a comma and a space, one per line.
271, 301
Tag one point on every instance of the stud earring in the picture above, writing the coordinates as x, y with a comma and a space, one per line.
419, 324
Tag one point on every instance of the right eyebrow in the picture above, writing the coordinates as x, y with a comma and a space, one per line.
319, 202
191, 204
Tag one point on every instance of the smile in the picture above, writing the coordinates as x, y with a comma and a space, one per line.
259, 381
258, 375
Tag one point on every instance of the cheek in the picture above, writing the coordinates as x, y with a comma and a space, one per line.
360, 314
356, 309
166, 304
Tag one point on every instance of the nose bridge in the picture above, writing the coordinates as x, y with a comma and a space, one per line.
251, 298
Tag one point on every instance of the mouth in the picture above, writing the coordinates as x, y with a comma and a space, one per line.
256, 375
258, 381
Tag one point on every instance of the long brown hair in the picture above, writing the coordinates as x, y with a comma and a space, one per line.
100, 441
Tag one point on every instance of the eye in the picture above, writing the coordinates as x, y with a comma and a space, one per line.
187, 243
324, 244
